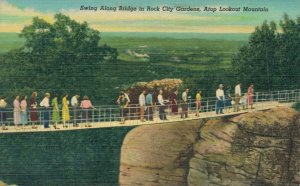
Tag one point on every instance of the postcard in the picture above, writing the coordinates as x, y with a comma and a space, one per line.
98, 92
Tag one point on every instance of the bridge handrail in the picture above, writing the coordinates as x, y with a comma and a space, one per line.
204, 99
112, 114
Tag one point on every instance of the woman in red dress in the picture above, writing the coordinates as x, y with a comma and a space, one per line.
250, 95
33, 111
173, 100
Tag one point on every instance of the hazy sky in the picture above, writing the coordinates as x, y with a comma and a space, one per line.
14, 14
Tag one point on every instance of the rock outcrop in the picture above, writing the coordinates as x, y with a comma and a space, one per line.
257, 148
168, 85
159, 154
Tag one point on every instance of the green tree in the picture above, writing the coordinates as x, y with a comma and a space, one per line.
61, 57
288, 52
270, 57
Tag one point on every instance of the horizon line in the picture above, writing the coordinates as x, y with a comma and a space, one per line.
160, 32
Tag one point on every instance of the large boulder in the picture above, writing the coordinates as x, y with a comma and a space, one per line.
257, 148
158, 154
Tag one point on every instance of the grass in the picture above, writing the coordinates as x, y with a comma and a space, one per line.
186, 66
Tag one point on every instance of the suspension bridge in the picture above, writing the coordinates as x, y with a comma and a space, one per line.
109, 115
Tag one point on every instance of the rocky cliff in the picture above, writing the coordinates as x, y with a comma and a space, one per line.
258, 148
167, 85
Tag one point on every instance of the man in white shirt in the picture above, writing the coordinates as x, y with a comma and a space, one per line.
220, 98
142, 102
74, 100
184, 107
75, 104
161, 104
46, 108
45, 102
237, 97
238, 90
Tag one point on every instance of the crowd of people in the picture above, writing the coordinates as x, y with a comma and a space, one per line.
55, 112
224, 100
51, 111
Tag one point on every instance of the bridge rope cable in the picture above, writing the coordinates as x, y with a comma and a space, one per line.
109, 116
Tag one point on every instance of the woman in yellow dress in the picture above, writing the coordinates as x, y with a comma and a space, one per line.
65, 110
198, 102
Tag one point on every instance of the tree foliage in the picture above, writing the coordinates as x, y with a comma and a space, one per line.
271, 57
64, 56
